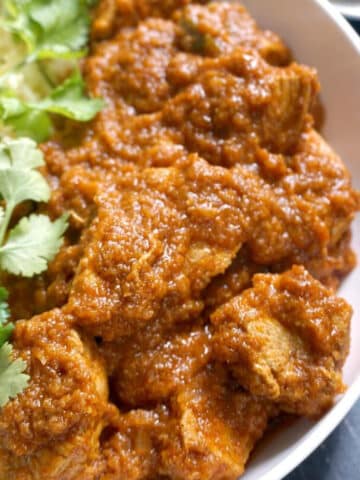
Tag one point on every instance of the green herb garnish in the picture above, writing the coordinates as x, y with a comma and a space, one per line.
13, 380
50, 31
28, 247
32, 118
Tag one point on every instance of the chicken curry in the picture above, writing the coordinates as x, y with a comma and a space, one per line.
194, 298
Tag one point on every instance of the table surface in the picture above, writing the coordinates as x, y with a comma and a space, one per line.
338, 458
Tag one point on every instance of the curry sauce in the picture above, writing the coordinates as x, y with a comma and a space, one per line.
194, 299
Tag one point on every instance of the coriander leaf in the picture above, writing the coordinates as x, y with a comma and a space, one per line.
5, 330
32, 119
13, 380
23, 119
18, 180
34, 124
69, 100
4, 308
21, 153
35, 240
17, 22
65, 25
18, 185
32, 244
5, 333
50, 29
10, 106
91, 3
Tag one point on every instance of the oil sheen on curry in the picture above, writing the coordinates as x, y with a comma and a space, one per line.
194, 299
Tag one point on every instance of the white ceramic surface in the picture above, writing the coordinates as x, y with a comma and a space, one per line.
350, 8
319, 36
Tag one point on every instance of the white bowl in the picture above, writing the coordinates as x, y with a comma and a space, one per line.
319, 36
350, 8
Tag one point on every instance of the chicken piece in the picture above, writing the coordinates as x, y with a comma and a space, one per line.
112, 15
220, 27
152, 365
238, 103
213, 431
207, 433
307, 195
132, 66
52, 429
281, 226
286, 339
155, 245
130, 450
314, 196
320, 177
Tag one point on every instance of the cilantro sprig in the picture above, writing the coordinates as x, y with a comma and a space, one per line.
13, 380
32, 118
28, 247
51, 31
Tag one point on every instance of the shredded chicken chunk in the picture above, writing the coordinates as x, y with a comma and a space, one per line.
52, 429
214, 431
155, 246
155, 364
286, 339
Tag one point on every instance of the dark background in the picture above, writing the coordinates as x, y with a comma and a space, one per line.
338, 458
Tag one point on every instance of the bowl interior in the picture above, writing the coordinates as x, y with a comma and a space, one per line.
320, 37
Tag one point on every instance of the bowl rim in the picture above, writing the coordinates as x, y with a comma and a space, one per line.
315, 437
336, 415
351, 11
